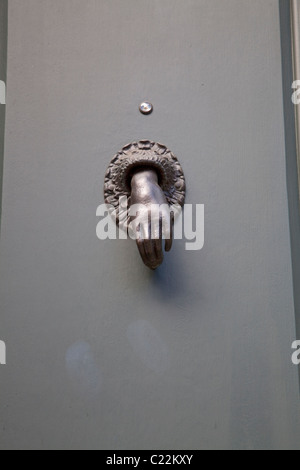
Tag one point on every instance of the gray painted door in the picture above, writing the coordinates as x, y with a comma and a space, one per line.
102, 353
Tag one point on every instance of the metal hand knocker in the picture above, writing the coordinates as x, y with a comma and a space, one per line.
145, 190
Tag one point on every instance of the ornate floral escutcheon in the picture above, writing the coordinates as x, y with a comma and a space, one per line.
135, 156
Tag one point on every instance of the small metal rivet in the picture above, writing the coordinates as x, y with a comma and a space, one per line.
146, 107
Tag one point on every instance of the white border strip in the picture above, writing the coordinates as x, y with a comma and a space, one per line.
295, 9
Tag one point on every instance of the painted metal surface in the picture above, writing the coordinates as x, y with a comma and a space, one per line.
102, 353
3, 59
296, 61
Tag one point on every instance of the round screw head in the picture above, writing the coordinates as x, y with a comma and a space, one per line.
146, 107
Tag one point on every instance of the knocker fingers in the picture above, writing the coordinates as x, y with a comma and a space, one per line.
169, 241
158, 243
150, 249
150, 240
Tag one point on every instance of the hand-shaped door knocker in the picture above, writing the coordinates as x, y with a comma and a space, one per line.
145, 190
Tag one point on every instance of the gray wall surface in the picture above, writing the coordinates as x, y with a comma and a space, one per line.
102, 353
291, 151
3, 54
